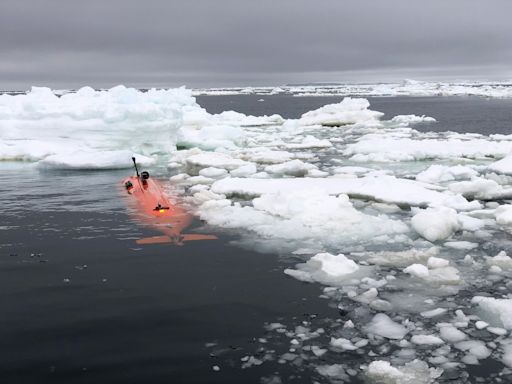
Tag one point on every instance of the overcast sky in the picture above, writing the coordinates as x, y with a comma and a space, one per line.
203, 43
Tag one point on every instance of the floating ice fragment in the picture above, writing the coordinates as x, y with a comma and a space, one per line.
507, 353
501, 260
324, 268
334, 371
310, 142
441, 173
343, 344
426, 340
496, 311
348, 111
502, 166
476, 348
434, 312
503, 214
212, 172
244, 170
295, 168
437, 262
436, 223
414, 372
418, 270
382, 325
481, 324
406, 120
401, 258
463, 245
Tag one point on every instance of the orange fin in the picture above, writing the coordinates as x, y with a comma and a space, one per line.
155, 240
193, 237
179, 240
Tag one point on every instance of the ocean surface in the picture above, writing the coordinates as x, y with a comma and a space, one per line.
83, 303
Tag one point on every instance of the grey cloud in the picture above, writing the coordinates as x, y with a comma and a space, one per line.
68, 43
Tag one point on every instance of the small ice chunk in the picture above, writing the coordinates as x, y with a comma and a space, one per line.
496, 311
213, 173
501, 260
317, 351
426, 340
497, 331
343, 344
324, 268
382, 325
295, 168
437, 262
507, 354
348, 111
414, 372
367, 296
476, 348
463, 245
435, 223
433, 312
334, 371
441, 173
503, 214
401, 258
418, 270
244, 170
406, 120
481, 324
310, 142
451, 334
502, 166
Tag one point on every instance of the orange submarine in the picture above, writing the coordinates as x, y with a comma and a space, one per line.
154, 209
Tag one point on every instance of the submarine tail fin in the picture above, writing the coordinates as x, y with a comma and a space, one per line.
179, 241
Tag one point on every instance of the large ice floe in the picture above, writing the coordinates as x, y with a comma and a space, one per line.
406, 232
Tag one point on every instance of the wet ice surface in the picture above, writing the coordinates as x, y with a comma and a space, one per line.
403, 233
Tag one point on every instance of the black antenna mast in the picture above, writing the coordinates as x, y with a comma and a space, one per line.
135, 164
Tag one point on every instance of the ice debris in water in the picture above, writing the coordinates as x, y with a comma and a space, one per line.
298, 185
325, 268
436, 224
349, 111
382, 325
497, 311
414, 372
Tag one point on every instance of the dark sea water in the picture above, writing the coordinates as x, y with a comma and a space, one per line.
83, 303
